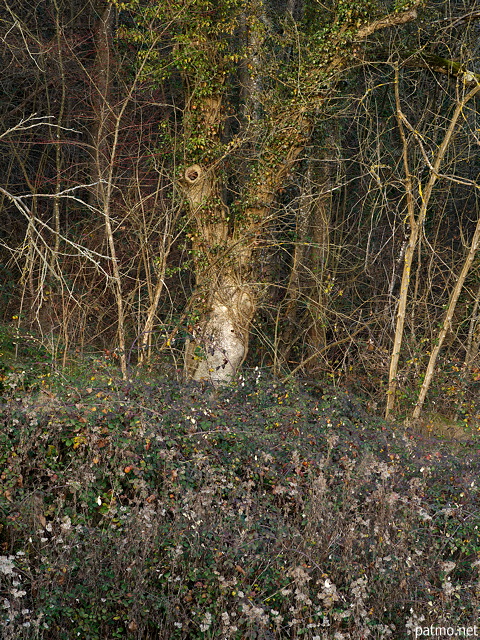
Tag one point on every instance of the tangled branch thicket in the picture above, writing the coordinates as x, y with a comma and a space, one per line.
277, 199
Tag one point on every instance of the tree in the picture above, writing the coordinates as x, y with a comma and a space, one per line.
253, 80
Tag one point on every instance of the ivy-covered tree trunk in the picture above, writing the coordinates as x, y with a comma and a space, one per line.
225, 300
254, 84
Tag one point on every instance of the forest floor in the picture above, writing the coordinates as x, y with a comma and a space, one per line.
156, 509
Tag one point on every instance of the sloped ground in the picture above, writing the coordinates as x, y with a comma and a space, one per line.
156, 510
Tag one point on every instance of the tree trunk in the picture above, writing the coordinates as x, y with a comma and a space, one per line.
306, 287
101, 77
226, 301
226, 298
220, 341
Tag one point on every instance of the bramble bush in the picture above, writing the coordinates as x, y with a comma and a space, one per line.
153, 509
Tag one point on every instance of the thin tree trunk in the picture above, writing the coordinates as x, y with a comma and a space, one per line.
318, 253
307, 273
105, 142
447, 322
101, 101
106, 136
56, 134
408, 258
473, 340
145, 340
416, 225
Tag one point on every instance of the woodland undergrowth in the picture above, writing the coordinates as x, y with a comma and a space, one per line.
155, 509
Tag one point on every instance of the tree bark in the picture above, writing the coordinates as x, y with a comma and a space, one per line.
227, 302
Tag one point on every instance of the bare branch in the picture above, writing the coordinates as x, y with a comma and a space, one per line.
392, 20
25, 211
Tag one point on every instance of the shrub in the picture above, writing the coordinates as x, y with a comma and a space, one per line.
159, 510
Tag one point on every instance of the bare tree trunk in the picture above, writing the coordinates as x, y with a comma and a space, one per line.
447, 322
103, 123
319, 250
416, 224
307, 275
473, 341
56, 134
296, 282
105, 141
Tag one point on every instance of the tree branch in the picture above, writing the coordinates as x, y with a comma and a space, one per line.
442, 65
391, 20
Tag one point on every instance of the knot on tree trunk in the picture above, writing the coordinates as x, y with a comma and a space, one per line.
197, 185
193, 173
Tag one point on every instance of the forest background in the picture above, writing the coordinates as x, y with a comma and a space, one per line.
289, 185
